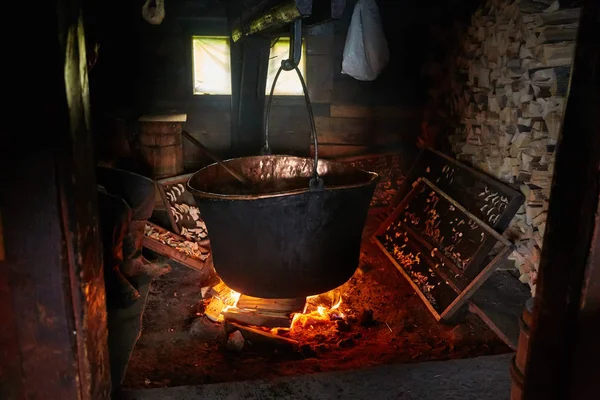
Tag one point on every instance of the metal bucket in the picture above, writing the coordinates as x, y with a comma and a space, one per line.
281, 238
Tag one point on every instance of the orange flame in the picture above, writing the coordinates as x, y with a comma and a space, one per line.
319, 313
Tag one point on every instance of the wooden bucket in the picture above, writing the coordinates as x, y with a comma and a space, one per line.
162, 147
517, 366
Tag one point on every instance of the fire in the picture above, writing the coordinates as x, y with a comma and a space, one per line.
317, 312
320, 309
230, 299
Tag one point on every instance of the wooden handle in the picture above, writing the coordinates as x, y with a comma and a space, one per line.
216, 159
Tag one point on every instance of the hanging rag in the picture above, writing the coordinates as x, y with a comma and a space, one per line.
365, 52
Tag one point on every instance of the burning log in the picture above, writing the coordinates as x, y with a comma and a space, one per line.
259, 337
267, 321
258, 319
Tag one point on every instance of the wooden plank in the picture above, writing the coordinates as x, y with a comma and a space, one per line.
284, 306
167, 206
210, 124
358, 131
170, 252
435, 229
370, 112
499, 303
349, 90
476, 283
259, 337
2, 252
40, 308
319, 78
470, 188
451, 269
53, 262
568, 237
327, 150
11, 374
290, 143
178, 199
266, 320
366, 137
320, 43
214, 309
481, 223
588, 323
408, 279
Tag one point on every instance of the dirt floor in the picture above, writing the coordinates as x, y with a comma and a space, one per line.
179, 346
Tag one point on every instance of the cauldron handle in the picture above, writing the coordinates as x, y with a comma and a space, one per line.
316, 182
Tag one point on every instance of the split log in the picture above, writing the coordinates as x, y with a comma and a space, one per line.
266, 320
260, 338
514, 64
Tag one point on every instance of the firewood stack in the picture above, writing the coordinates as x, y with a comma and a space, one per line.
506, 89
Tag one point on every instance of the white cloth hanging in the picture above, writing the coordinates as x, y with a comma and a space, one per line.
365, 52
156, 14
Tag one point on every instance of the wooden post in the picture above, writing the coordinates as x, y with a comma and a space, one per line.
249, 67
52, 299
568, 251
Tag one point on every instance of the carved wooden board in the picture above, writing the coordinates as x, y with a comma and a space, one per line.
439, 247
488, 199
183, 213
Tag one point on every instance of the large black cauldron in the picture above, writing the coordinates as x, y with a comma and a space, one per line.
278, 238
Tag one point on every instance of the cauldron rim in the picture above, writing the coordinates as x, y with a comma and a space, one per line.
373, 177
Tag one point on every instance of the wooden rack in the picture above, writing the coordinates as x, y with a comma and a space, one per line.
423, 236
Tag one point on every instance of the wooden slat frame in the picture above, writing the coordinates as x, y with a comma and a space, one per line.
416, 172
408, 279
160, 184
481, 275
168, 251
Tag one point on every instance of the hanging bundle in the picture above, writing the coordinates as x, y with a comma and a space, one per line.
155, 14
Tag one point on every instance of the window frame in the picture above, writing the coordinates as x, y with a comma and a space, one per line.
193, 67
213, 98
303, 61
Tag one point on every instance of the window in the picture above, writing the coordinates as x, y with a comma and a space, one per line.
288, 83
212, 67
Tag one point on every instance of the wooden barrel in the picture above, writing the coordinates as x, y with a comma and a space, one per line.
162, 147
517, 366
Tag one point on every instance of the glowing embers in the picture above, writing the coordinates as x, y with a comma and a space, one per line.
222, 299
225, 305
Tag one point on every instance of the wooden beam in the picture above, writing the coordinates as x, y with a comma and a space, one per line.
53, 265
2, 252
267, 16
249, 65
569, 230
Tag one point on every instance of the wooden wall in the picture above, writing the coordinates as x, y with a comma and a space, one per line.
53, 338
351, 116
